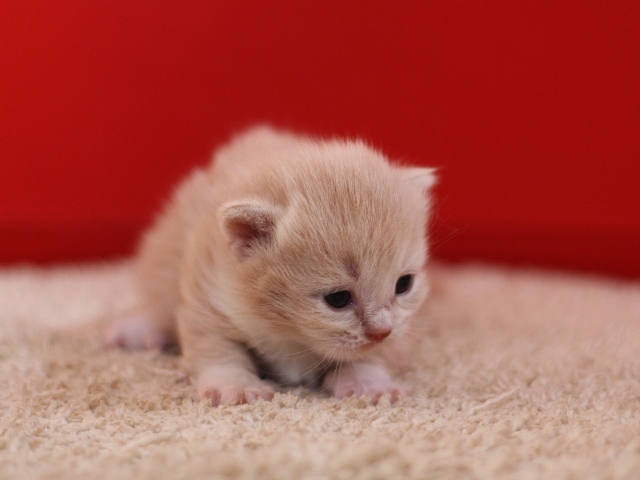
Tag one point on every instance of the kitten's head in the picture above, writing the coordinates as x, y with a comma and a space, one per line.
340, 266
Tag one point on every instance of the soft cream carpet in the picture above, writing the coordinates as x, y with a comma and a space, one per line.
517, 375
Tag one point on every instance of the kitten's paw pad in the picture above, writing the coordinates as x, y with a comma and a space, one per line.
237, 394
136, 332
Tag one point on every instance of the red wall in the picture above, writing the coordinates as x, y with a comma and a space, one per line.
531, 109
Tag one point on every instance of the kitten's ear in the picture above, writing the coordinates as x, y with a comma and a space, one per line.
247, 225
422, 177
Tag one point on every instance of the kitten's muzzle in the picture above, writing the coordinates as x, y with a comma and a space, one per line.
377, 336
377, 326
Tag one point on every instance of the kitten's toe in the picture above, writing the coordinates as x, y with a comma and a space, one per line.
136, 332
229, 385
266, 393
347, 389
375, 392
237, 395
395, 391
369, 381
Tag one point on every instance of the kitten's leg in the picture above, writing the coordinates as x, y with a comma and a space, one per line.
139, 330
362, 379
221, 369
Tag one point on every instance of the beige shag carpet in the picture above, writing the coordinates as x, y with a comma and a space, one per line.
518, 374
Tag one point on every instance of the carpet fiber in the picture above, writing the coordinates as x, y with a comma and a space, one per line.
516, 374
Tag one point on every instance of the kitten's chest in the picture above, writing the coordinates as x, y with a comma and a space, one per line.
291, 364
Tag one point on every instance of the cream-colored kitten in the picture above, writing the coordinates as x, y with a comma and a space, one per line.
290, 258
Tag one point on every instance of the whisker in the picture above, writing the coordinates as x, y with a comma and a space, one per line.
298, 354
331, 362
335, 363
260, 345
315, 366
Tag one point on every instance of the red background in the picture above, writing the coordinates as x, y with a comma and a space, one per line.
530, 109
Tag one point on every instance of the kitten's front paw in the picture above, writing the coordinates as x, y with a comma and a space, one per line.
363, 380
232, 389
237, 394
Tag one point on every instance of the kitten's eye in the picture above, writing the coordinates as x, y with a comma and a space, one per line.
338, 299
404, 284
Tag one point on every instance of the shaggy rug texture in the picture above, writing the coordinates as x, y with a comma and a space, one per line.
515, 374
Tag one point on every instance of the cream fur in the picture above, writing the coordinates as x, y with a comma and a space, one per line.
238, 264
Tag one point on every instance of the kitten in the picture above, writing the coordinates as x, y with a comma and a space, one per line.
290, 257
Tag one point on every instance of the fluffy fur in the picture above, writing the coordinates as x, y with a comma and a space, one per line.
238, 266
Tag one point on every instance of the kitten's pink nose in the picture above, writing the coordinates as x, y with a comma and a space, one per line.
377, 335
